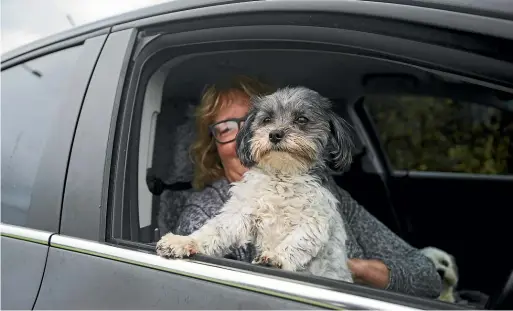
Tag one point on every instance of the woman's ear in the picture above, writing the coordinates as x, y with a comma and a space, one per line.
340, 143
243, 141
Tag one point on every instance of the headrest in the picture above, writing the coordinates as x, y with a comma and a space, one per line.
173, 138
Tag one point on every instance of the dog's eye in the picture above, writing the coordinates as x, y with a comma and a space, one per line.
301, 120
444, 262
266, 120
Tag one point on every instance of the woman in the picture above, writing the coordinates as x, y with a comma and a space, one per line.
379, 258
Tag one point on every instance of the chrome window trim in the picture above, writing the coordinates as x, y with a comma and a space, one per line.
26, 234
271, 285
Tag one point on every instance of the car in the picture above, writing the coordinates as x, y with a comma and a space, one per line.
96, 122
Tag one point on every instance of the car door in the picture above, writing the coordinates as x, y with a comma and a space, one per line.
86, 270
42, 93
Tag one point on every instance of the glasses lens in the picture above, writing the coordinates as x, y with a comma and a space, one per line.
225, 131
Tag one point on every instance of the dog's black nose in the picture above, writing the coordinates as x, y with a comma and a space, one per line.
441, 273
276, 136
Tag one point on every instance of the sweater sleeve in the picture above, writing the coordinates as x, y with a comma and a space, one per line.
411, 272
192, 218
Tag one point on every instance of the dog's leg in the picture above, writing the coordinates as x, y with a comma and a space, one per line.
231, 227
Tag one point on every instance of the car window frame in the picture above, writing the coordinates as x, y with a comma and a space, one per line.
130, 244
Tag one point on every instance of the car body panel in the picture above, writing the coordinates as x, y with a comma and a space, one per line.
46, 199
90, 157
490, 8
131, 264
24, 250
450, 20
79, 281
21, 280
23, 256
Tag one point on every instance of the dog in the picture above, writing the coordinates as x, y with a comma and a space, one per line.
447, 269
290, 139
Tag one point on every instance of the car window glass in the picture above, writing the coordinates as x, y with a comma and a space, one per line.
443, 135
31, 95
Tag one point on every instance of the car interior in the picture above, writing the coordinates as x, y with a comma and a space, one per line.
425, 211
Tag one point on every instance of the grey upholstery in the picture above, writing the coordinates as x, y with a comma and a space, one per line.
171, 162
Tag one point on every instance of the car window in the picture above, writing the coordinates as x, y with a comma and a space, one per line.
421, 133
31, 95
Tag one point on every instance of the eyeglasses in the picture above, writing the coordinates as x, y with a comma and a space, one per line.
225, 131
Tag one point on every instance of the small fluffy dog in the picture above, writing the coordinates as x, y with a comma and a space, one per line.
289, 140
446, 267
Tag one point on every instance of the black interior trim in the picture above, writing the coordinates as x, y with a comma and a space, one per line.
372, 131
157, 185
503, 299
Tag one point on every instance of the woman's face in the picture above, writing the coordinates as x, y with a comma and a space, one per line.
237, 107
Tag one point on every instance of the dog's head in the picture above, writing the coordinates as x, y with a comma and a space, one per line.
445, 265
294, 130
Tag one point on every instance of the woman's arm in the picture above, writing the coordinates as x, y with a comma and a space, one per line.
410, 272
191, 219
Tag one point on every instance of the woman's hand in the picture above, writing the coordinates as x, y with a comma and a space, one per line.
369, 272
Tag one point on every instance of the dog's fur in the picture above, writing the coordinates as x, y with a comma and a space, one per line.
281, 204
447, 269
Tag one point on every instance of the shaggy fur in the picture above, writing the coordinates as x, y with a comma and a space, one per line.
281, 205
447, 269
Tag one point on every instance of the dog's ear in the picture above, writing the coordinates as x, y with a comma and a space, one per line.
243, 142
340, 145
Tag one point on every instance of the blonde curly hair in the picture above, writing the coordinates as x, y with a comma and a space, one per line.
207, 164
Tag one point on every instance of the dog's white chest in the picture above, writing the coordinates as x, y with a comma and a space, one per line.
276, 211
279, 205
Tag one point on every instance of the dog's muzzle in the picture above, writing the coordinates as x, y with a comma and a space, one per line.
276, 136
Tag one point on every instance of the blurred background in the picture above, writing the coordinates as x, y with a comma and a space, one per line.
23, 21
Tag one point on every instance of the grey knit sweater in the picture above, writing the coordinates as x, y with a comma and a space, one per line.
410, 272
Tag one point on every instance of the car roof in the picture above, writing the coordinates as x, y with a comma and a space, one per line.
158, 9
488, 8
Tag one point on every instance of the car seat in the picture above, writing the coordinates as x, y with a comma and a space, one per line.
170, 175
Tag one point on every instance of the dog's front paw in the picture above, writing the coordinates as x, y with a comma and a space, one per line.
176, 246
271, 259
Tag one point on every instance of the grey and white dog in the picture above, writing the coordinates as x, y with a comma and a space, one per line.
282, 205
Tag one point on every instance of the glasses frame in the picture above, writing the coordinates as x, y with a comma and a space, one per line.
237, 120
